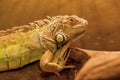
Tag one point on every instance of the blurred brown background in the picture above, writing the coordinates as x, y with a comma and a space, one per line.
103, 17
103, 31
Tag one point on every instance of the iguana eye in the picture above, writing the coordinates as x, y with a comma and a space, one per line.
70, 21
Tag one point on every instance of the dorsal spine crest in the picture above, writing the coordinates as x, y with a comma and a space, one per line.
24, 28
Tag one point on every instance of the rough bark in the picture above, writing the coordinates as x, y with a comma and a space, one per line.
102, 65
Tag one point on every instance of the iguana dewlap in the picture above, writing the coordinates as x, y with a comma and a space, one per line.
45, 40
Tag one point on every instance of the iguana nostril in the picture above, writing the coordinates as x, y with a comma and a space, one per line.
84, 22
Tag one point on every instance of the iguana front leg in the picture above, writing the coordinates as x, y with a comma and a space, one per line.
46, 63
49, 62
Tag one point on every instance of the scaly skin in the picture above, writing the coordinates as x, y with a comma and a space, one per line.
47, 40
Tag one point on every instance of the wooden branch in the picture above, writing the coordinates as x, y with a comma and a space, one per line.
102, 65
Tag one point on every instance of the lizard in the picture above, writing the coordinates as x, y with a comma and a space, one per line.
47, 40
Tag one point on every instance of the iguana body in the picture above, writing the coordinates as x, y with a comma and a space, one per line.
47, 40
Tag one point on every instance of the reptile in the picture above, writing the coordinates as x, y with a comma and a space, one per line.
47, 40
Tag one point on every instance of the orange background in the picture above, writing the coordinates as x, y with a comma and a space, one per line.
103, 17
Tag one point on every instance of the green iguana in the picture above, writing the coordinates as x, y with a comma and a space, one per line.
47, 40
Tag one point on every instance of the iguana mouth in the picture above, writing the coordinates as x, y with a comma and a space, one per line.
77, 36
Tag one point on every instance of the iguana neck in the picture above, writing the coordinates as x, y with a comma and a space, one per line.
46, 39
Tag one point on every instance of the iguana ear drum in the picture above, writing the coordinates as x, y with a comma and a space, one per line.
60, 38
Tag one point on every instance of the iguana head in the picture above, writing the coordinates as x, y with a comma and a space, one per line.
65, 28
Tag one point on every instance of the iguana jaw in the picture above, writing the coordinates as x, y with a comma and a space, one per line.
77, 36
